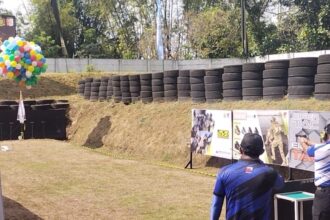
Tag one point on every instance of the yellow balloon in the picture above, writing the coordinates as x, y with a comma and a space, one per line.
30, 68
13, 63
6, 57
39, 56
32, 52
20, 43
10, 75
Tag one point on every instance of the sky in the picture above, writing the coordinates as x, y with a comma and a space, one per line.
14, 5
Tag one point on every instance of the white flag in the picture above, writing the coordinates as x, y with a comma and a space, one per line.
21, 110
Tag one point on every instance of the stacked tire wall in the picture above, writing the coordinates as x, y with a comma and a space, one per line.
232, 83
197, 87
252, 81
275, 79
109, 89
301, 77
171, 85
103, 89
157, 84
134, 87
125, 91
184, 85
81, 87
146, 88
116, 89
87, 89
95, 87
213, 85
322, 78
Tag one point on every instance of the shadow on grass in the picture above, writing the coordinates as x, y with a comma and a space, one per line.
46, 87
15, 211
102, 128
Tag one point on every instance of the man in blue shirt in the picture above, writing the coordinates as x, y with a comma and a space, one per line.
246, 184
321, 154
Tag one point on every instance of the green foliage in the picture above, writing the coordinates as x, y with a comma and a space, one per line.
48, 45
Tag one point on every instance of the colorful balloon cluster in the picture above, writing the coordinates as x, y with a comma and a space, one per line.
21, 61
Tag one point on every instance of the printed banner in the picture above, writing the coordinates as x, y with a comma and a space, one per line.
211, 133
308, 125
272, 125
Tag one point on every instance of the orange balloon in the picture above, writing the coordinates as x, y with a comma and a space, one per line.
21, 84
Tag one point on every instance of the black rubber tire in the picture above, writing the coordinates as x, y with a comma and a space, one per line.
252, 92
95, 84
232, 93
117, 89
102, 93
115, 78
301, 71
94, 89
104, 78
197, 73
322, 78
10, 102
232, 85
60, 105
198, 100
170, 87
124, 83
157, 82
104, 83
301, 90
41, 107
299, 96
213, 100
157, 94
276, 90
124, 89
183, 93
274, 82
196, 80
296, 81
103, 88
147, 76
213, 95
213, 87
134, 77
197, 87
324, 59
125, 94
96, 80
116, 93
251, 83
95, 94
183, 87
323, 69
184, 99
159, 75
115, 83
171, 73
171, 93
170, 99
253, 67
124, 78
251, 75
81, 82
322, 96
232, 98
145, 82
146, 94
322, 88
252, 98
135, 94
117, 99
183, 80
212, 79
231, 77
146, 100
275, 73
88, 79
134, 83
273, 97
134, 89
277, 64
303, 62
232, 69
146, 88
214, 72
184, 73
42, 101
197, 94
169, 80
157, 88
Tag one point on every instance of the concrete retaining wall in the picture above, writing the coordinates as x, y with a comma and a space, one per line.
62, 65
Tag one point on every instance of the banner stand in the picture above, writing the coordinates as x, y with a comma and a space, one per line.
290, 174
190, 160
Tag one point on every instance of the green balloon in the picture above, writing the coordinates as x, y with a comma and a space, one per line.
12, 57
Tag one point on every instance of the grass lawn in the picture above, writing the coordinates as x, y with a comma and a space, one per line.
47, 179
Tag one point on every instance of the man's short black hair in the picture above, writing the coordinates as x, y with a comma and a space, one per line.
252, 145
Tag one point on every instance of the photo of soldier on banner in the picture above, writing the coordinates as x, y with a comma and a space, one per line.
309, 125
272, 125
211, 133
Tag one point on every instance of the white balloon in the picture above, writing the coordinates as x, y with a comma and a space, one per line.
28, 74
34, 63
7, 62
18, 66
28, 87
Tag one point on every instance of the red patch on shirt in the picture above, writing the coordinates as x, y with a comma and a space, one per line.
248, 169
